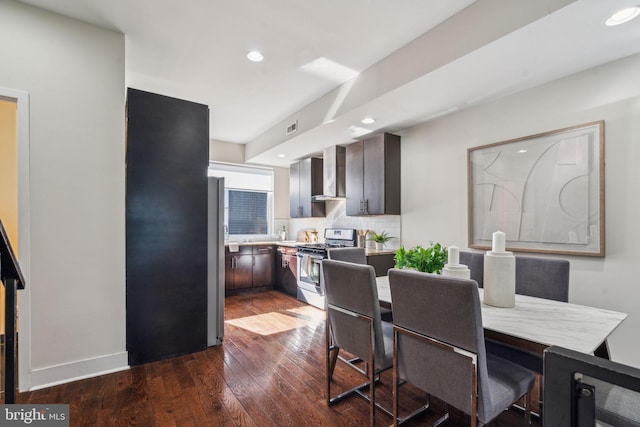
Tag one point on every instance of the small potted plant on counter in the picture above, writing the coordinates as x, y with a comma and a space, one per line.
427, 260
380, 239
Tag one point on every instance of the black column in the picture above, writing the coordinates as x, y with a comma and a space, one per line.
10, 343
166, 226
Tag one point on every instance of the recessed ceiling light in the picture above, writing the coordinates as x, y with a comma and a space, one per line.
282, 156
622, 16
522, 151
368, 120
255, 56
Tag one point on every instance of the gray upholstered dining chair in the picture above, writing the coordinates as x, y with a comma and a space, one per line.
475, 262
439, 347
357, 255
353, 324
536, 277
543, 277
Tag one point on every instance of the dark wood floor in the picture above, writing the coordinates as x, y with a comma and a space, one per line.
269, 372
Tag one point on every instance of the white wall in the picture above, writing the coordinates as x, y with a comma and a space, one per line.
228, 152
434, 174
74, 74
281, 195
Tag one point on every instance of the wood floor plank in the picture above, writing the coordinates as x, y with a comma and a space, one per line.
270, 371
241, 388
266, 403
210, 387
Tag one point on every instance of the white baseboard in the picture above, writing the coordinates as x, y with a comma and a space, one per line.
78, 370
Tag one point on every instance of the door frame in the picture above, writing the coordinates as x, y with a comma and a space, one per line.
21, 98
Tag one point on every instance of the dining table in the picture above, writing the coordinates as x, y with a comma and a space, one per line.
537, 323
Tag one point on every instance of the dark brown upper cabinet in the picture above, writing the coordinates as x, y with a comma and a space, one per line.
305, 180
373, 176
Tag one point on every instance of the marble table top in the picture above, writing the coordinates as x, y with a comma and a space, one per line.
547, 322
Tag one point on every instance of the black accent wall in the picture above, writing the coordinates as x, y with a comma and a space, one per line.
166, 226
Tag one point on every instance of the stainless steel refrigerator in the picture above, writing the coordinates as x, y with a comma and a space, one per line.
215, 267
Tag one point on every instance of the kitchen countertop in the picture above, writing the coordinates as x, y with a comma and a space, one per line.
294, 244
371, 251
288, 243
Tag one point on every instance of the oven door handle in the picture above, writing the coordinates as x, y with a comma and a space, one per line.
304, 264
310, 255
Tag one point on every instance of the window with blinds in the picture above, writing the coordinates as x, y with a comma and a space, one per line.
248, 206
248, 213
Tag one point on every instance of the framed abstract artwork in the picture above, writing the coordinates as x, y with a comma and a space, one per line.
544, 191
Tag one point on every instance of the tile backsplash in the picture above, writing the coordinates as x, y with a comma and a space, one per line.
336, 218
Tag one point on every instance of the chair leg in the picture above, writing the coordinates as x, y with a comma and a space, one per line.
474, 417
444, 418
372, 387
396, 390
527, 409
399, 421
396, 412
539, 400
329, 373
333, 357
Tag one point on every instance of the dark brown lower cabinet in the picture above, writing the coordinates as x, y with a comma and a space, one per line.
238, 269
287, 270
250, 269
263, 266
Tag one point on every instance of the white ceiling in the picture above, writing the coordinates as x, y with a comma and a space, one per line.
416, 59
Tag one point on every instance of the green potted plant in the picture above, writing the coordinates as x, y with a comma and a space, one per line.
429, 260
380, 239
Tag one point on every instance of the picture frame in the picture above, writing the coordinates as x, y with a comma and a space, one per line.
544, 191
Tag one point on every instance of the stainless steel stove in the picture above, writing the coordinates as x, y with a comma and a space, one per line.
310, 256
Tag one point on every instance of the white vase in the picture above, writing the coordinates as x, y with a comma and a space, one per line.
499, 279
379, 246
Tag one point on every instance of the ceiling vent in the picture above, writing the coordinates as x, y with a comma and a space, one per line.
292, 128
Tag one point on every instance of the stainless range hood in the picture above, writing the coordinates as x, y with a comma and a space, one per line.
333, 171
